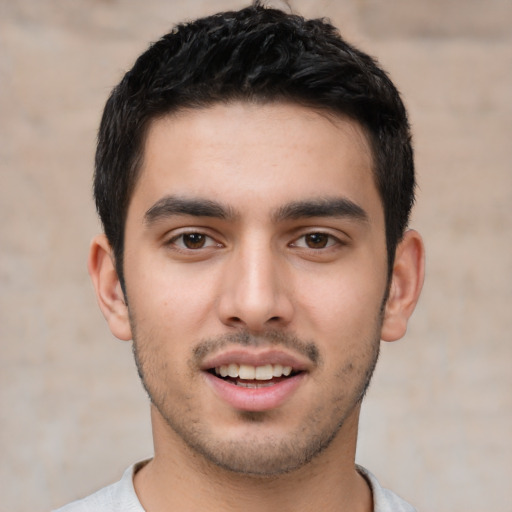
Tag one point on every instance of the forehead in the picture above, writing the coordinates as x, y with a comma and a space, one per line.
242, 153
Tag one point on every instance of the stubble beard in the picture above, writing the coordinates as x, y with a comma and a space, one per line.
261, 456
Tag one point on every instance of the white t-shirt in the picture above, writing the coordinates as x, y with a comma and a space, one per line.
121, 496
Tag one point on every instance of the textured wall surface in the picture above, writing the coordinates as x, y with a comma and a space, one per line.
437, 422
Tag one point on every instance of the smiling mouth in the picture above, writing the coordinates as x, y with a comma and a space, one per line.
255, 377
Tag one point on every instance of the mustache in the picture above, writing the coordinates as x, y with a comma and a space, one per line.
244, 338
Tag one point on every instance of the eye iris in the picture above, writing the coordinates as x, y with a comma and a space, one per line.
194, 240
317, 240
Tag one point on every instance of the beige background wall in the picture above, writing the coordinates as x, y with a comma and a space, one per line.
437, 425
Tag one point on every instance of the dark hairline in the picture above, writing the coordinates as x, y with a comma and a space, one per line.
362, 92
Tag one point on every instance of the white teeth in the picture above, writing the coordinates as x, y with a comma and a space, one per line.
248, 372
252, 385
277, 371
264, 372
233, 370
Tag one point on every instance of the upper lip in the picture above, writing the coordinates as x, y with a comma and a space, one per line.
256, 358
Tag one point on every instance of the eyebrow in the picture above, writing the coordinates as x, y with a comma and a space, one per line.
322, 207
171, 205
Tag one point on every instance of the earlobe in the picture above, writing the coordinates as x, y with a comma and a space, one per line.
406, 284
108, 288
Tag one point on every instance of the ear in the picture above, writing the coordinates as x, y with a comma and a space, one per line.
406, 284
101, 265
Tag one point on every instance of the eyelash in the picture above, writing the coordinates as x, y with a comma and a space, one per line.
208, 241
331, 241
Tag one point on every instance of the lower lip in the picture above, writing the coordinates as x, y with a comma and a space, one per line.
254, 399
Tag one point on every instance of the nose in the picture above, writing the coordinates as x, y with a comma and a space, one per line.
256, 291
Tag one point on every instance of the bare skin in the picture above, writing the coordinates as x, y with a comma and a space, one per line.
255, 237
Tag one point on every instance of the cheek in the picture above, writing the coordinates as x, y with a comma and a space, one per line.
169, 294
170, 312
343, 304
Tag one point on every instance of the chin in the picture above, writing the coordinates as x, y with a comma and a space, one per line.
255, 450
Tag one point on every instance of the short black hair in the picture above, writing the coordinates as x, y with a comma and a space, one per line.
255, 54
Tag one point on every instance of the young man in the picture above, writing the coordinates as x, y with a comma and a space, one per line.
254, 177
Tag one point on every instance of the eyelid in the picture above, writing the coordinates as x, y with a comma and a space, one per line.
180, 233
334, 240
330, 242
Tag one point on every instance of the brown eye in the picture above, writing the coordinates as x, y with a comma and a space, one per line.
194, 240
316, 240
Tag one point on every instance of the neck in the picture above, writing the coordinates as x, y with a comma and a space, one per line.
180, 479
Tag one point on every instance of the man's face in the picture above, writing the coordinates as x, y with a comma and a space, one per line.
255, 267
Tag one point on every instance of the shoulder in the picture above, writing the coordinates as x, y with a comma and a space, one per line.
118, 497
384, 500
